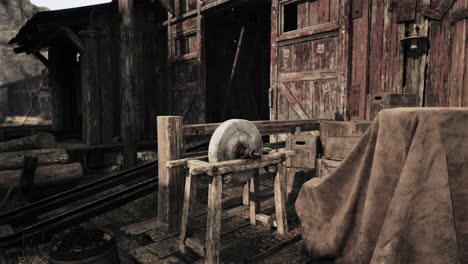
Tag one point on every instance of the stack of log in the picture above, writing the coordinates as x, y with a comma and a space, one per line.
51, 166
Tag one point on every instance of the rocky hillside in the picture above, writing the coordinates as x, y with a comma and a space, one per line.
18, 72
13, 15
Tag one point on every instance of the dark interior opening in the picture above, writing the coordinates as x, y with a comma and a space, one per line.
238, 89
290, 17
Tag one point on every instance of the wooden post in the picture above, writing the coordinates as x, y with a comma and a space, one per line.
246, 194
27, 174
91, 90
213, 224
171, 181
128, 96
254, 197
280, 200
201, 81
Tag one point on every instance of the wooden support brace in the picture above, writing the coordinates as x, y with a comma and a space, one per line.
188, 209
213, 225
254, 201
280, 200
246, 194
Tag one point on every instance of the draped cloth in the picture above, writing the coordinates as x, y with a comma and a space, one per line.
400, 196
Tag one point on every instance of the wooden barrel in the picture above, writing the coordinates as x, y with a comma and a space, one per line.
85, 246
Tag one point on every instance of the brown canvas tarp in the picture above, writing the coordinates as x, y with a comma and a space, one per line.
401, 195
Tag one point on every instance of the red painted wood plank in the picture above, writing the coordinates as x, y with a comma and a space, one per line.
406, 10
273, 60
360, 56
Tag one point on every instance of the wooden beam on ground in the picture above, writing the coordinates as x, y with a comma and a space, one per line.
37, 141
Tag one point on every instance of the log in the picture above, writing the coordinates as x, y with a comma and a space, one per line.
14, 160
37, 141
45, 176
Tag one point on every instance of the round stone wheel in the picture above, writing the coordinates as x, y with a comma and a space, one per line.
228, 137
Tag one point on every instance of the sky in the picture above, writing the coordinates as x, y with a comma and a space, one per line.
62, 4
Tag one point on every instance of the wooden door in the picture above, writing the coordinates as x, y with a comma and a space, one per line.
309, 57
186, 67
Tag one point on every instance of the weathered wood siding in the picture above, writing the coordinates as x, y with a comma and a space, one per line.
309, 59
186, 70
326, 56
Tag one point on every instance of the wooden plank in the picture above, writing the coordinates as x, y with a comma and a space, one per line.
171, 181
280, 200
91, 94
140, 227
437, 86
213, 226
325, 167
360, 63
254, 198
406, 10
205, 8
230, 225
292, 101
201, 61
265, 127
164, 248
320, 29
344, 52
188, 210
246, 194
438, 12
307, 76
459, 14
273, 91
458, 67
219, 168
274, 250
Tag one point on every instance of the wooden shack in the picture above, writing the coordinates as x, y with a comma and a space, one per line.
83, 47
326, 56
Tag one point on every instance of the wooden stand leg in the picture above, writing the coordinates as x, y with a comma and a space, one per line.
187, 211
213, 225
246, 194
280, 200
254, 197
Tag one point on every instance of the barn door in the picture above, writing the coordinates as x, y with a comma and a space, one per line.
186, 67
309, 59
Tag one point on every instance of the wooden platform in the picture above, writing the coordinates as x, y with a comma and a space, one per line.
141, 241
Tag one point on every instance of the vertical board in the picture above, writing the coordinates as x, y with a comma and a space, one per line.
359, 63
438, 66
458, 88
386, 57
